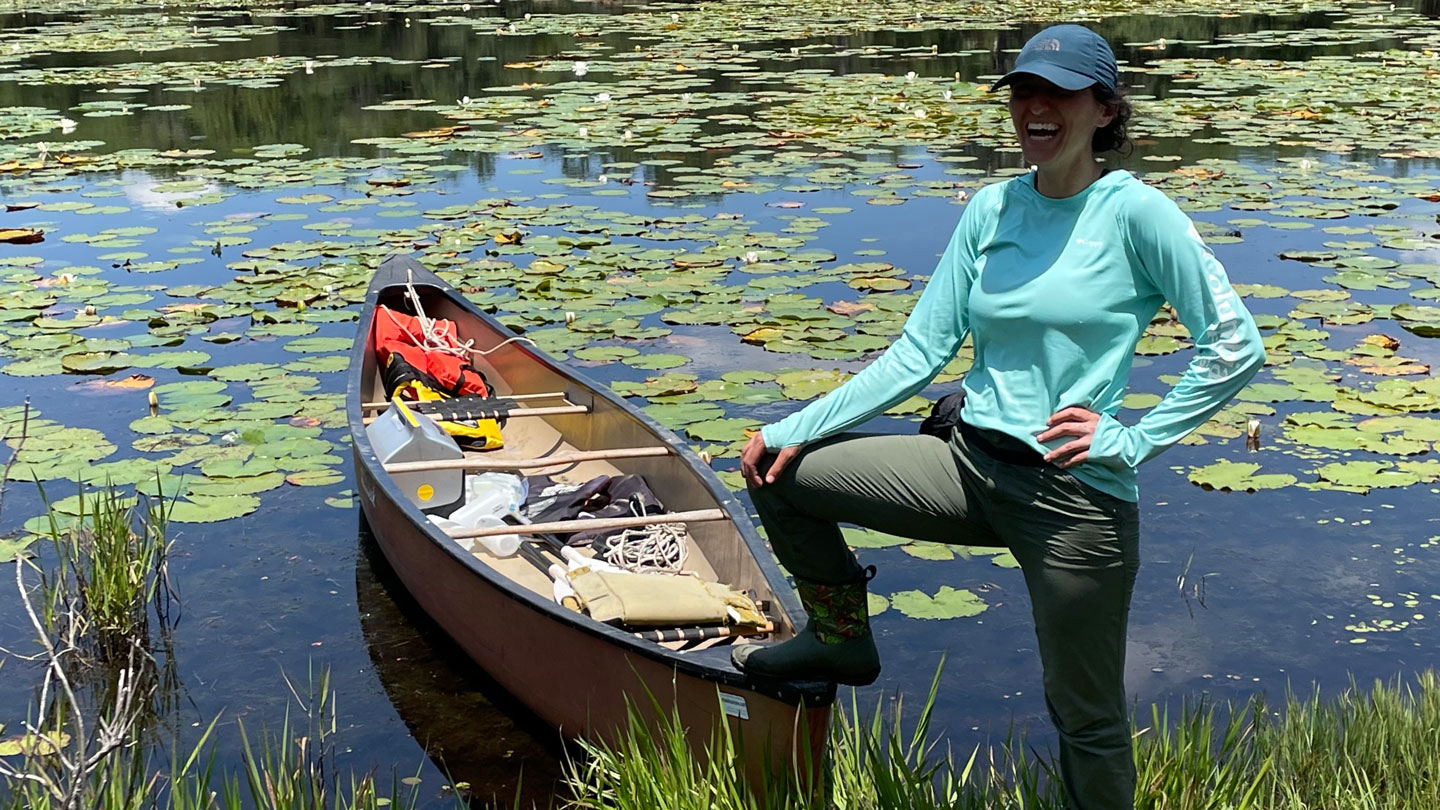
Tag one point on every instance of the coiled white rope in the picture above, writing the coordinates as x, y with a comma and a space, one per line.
659, 547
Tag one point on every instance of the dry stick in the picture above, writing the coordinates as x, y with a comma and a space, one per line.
592, 524
24, 431
380, 406
563, 459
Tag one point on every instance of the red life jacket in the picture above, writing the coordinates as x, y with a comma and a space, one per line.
399, 334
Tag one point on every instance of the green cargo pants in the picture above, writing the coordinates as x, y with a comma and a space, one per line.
1078, 548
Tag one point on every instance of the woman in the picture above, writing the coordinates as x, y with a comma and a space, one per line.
1054, 275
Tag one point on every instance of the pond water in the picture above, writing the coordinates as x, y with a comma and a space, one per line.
698, 183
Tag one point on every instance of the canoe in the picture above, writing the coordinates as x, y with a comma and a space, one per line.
576, 674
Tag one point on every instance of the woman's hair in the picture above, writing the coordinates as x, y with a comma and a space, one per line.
1112, 136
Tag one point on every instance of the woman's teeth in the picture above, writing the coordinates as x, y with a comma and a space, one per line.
1042, 131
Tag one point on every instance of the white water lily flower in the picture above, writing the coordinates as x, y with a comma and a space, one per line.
309, 67
949, 95
629, 134
67, 126
580, 68
794, 51
751, 257
961, 196
685, 97
602, 179
934, 49
602, 98
910, 77
512, 26
465, 7
527, 16
1305, 164
919, 112
584, 132
230, 438
65, 278
674, 17
464, 101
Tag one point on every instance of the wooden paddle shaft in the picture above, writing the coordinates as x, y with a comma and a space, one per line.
703, 633
593, 524
562, 459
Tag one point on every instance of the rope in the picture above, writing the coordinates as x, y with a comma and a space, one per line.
435, 338
660, 547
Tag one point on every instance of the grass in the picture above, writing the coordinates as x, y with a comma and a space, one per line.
1366, 749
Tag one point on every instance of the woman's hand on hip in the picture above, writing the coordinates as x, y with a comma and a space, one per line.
1077, 423
755, 452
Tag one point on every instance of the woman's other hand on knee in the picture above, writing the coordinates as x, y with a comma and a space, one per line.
756, 469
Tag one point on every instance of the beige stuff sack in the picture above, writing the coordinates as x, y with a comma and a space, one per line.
661, 600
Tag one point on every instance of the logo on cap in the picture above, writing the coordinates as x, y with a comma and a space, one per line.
1047, 45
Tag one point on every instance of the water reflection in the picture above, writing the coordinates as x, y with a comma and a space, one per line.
470, 727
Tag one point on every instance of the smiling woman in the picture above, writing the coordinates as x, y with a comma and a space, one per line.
1055, 275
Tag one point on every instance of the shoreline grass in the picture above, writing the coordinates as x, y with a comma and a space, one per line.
1375, 748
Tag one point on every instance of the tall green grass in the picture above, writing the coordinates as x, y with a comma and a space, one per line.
1365, 749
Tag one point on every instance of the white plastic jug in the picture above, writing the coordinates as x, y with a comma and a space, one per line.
493, 494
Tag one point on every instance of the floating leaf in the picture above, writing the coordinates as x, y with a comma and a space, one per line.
947, 603
1229, 476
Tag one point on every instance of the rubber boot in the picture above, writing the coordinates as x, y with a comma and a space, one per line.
835, 645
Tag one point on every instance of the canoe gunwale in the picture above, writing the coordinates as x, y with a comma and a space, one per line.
370, 474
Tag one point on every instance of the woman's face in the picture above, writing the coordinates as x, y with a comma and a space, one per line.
1055, 126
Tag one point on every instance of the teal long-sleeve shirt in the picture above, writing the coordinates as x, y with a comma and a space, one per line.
1056, 292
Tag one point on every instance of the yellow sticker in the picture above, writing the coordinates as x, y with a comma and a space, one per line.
426, 492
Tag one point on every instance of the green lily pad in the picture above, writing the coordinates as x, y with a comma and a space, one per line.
1230, 476
213, 508
946, 603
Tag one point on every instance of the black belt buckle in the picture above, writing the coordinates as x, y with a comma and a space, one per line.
1023, 458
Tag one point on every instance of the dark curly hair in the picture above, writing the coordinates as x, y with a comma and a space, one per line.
1112, 136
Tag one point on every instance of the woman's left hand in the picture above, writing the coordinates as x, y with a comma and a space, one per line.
1076, 422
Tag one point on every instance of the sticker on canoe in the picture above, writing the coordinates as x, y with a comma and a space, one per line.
425, 492
734, 706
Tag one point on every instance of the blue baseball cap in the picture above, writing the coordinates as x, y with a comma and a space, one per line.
1070, 56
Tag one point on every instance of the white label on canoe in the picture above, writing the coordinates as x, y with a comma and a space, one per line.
734, 706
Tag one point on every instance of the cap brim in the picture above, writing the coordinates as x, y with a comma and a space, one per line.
1056, 75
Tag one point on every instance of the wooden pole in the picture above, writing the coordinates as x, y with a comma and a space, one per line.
562, 459
380, 406
703, 633
511, 414
592, 524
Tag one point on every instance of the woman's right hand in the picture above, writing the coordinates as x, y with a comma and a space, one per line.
755, 452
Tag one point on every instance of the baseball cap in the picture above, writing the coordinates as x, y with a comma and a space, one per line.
1070, 56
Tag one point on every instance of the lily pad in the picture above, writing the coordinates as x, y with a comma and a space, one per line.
946, 603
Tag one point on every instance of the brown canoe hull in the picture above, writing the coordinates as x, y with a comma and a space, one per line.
580, 682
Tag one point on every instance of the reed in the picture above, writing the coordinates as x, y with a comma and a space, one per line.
1369, 748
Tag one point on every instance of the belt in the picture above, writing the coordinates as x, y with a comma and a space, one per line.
1024, 457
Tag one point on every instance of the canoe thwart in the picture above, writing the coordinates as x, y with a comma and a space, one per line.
500, 412
566, 395
594, 524
557, 460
